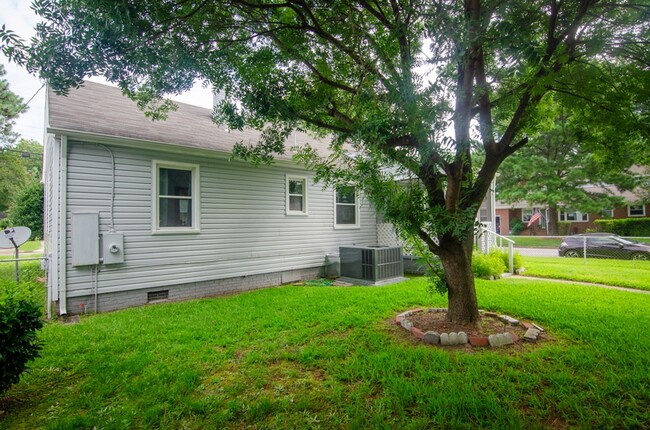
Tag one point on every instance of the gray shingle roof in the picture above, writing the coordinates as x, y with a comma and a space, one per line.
103, 109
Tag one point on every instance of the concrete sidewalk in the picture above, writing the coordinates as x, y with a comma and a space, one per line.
593, 284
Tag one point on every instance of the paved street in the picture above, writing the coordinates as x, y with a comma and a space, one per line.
537, 252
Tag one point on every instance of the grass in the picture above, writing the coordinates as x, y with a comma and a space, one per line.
326, 357
536, 241
553, 242
31, 280
30, 246
622, 273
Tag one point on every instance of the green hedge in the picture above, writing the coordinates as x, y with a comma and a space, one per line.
20, 319
563, 228
639, 227
516, 226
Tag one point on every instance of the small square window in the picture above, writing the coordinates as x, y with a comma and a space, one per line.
296, 195
636, 210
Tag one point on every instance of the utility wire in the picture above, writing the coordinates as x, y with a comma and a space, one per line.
32, 97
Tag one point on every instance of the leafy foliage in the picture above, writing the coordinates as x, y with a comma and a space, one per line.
28, 209
18, 171
516, 226
397, 86
20, 319
639, 227
488, 266
573, 162
11, 105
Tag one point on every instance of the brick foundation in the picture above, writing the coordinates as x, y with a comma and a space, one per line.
125, 299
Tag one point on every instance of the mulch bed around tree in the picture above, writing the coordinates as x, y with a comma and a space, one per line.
437, 321
420, 321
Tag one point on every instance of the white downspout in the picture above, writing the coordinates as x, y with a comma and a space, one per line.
63, 227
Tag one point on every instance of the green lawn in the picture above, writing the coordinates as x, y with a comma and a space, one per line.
536, 241
622, 273
30, 275
551, 242
30, 246
326, 357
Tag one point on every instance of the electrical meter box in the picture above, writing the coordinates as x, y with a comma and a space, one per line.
85, 239
112, 248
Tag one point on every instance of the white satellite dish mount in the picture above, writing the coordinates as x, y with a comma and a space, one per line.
13, 237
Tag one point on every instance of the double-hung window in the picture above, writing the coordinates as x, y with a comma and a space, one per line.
346, 214
296, 195
575, 216
636, 210
175, 197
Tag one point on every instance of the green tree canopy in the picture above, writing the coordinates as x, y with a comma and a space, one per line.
11, 105
28, 209
20, 166
573, 161
403, 87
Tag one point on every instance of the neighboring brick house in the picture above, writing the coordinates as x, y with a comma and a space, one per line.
579, 222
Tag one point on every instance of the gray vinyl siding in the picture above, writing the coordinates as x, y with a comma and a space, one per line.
244, 229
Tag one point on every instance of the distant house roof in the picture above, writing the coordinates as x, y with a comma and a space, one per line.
103, 110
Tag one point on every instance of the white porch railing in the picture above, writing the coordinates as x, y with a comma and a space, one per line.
487, 239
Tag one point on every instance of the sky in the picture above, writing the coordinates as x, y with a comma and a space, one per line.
18, 16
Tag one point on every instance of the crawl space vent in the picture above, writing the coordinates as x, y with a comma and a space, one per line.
155, 296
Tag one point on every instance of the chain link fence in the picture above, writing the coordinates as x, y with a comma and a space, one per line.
583, 247
24, 276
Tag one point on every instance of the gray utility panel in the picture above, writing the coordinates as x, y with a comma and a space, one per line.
371, 263
85, 238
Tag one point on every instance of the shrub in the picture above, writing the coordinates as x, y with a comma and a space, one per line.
517, 260
486, 266
563, 228
20, 319
517, 226
625, 227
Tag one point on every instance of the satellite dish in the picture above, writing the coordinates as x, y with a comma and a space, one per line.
13, 237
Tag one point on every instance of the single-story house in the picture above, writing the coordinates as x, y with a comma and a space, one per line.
578, 222
138, 211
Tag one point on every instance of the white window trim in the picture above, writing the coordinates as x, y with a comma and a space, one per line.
559, 216
155, 201
305, 206
629, 211
357, 225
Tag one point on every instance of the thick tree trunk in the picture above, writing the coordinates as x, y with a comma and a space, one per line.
552, 220
456, 259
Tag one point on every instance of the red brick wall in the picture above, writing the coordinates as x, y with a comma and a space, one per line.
505, 220
574, 228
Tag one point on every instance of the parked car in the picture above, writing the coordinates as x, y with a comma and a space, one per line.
603, 245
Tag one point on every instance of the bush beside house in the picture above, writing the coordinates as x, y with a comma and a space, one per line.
20, 319
625, 227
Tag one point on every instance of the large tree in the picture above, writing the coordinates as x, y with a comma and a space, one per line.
11, 105
571, 162
20, 166
12, 172
402, 86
